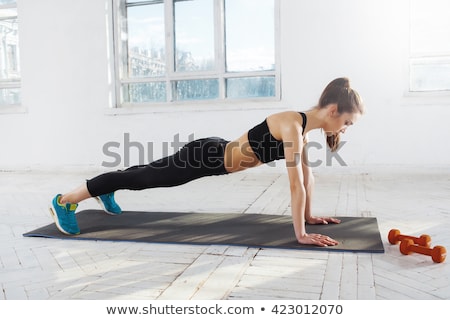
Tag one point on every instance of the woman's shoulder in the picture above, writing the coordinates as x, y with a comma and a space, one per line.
286, 118
287, 113
285, 123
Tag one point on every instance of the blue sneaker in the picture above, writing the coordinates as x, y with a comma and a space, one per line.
108, 204
64, 216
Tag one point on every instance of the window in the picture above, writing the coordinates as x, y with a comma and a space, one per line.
184, 50
9, 54
430, 46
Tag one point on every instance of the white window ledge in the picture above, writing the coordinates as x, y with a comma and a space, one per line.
12, 109
427, 98
197, 106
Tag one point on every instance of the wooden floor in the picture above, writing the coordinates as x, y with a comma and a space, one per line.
414, 200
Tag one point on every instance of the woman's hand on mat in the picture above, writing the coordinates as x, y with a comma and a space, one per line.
322, 220
317, 239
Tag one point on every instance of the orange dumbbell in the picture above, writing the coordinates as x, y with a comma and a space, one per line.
395, 237
438, 253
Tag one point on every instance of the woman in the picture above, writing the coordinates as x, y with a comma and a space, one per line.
279, 136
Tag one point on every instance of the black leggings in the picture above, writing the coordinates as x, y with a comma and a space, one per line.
199, 158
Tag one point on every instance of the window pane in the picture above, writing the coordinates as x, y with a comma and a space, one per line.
196, 89
194, 35
7, 2
9, 46
146, 41
9, 96
250, 43
431, 75
251, 87
144, 92
248, 48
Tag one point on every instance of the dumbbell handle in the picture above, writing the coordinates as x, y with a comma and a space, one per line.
438, 253
419, 249
395, 237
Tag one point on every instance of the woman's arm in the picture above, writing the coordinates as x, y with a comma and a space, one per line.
309, 181
300, 204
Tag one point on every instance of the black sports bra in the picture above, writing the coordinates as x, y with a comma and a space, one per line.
263, 143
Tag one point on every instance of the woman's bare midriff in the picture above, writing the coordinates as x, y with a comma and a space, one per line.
239, 155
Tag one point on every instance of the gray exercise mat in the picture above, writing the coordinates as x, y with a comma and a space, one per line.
252, 230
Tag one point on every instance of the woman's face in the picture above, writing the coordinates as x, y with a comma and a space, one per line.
338, 123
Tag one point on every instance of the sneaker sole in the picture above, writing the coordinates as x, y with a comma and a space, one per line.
100, 202
55, 219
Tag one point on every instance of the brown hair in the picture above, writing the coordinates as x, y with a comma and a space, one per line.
348, 100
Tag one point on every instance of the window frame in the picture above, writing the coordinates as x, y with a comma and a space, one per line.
170, 76
15, 83
424, 97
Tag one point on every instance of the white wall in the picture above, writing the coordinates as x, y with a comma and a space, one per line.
66, 85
